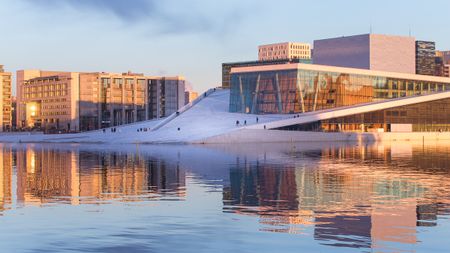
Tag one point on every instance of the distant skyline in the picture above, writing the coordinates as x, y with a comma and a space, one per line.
192, 38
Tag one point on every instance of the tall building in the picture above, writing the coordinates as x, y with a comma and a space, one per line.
368, 51
72, 101
425, 58
5, 100
284, 51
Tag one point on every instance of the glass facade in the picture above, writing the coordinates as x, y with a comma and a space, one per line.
300, 90
422, 117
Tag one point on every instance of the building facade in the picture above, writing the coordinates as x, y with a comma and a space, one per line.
190, 96
284, 51
47, 100
299, 88
6, 102
226, 67
425, 58
368, 51
72, 101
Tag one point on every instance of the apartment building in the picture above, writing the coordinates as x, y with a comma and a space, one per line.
5, 103
72, 101
284, 51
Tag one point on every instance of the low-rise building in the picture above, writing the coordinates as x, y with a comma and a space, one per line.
190, 96
72, 101
301, 88
5, 103
284, 51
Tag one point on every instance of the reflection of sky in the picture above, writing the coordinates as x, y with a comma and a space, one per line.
273, 197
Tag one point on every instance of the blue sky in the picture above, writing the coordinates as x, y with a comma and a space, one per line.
192, 37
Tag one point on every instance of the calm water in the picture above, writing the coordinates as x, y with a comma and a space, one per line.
263, 198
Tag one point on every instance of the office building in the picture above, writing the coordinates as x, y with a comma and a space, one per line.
442, 63
425, 58
109, 99
368, 51
300, 88
5, 103
72, 101
284, 51
190, 96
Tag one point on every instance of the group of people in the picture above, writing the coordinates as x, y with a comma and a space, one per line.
112, 129
245, 122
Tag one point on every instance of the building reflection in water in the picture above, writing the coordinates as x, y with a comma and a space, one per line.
351, 196
344, 196
45, 175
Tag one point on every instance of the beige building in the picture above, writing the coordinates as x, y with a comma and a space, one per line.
47, 99
284, 51
190, 96
72, 101
5, 103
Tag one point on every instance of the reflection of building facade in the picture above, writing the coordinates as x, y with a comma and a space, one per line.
73, 101
84, 177
348, 205
6, 173
5, 100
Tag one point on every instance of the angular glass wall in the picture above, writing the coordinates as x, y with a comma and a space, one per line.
297, 91
422, 117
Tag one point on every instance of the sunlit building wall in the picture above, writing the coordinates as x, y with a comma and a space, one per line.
284, 51
368, 51
5, 100
190, 96
71, 101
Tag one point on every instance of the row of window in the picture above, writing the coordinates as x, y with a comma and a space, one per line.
55, 113
50, 87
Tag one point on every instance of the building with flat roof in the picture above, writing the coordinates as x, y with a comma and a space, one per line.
302, 88
226, 67
368, 51
190, 96
425, 58
5, 100
72, 101
284, 51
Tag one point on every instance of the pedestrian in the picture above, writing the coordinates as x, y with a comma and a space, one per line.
245, 122
257, 119
264, 126
237, 122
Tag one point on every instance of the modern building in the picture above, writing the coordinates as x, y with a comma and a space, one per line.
442, 63
72, 101
190, 96
284, 51
425, 58
301, 88
226, 67
5, 100
368, 51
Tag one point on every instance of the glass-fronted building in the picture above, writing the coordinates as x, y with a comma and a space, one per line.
299, 88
